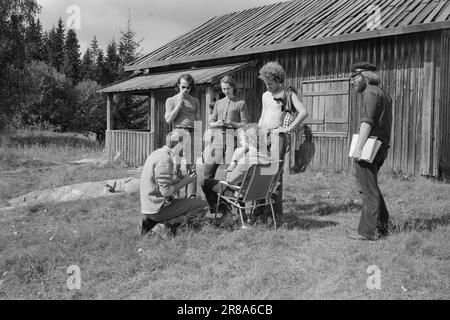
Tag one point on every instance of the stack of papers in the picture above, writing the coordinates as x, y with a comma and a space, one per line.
369, 150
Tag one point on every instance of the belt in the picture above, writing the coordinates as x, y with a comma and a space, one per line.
190, 129
269, 131
225, 128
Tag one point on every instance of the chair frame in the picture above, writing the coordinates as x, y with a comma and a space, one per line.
241, 193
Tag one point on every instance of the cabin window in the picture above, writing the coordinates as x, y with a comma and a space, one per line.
327, 103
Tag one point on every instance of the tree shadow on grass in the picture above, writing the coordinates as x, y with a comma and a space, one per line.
419, 224
323, 208
292, 222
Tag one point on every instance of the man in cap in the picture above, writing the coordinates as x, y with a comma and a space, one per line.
376, 119
157, 187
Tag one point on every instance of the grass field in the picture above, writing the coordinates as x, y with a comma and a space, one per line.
308, 257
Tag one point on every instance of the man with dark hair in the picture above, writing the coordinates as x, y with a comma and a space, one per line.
182, 110
376, 120
158, 186
229, 114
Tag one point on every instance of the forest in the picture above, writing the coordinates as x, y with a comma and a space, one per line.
46, 83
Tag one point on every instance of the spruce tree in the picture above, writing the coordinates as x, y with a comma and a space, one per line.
128, 46
55, 46
72, 63
94, 49
87, 65
100, 68
112, 63
33, 40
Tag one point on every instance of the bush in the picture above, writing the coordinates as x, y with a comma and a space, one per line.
90, 115
51, 100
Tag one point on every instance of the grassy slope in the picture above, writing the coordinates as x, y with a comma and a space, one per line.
309, 257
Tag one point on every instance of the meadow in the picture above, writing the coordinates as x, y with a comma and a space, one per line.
308, 257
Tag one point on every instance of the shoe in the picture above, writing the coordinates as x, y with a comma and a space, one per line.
226, 218
147, 225
224, 208
161, 230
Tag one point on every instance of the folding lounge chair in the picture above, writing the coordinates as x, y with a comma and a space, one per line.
256, 189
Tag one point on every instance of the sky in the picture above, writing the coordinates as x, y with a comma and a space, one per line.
156, 22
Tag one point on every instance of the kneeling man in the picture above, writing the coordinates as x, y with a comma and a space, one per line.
158, 205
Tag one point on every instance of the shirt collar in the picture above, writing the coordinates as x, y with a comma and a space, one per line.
170, 151
232, 100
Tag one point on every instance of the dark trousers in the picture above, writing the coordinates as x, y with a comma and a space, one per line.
176, 211
276, 146
218, 154
210, 194
375, 215
189, 154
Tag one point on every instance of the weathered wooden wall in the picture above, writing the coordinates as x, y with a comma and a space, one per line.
410, 73
131, 146
415, 71
445, 103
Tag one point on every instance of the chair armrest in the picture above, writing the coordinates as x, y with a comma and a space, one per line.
229, 185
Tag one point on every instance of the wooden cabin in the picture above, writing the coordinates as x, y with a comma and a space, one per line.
317, 42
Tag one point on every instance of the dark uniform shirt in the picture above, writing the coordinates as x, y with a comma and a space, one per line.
376, 110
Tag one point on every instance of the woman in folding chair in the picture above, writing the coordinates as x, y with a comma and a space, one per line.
243, 157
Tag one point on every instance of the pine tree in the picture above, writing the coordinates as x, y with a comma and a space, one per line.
100, 68
55, 46
94, 49
112, 63
87, 66
45, 46
33, 40
128, 46
72, 63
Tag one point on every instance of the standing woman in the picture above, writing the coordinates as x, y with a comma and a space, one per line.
182, 110
229, 114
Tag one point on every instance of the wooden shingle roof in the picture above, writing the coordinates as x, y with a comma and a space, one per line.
297, 23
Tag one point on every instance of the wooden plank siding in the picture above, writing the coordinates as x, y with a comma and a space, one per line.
409, 70
445, 105
133, 147
415, 71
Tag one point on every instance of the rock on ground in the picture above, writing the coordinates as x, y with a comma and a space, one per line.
80, 191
